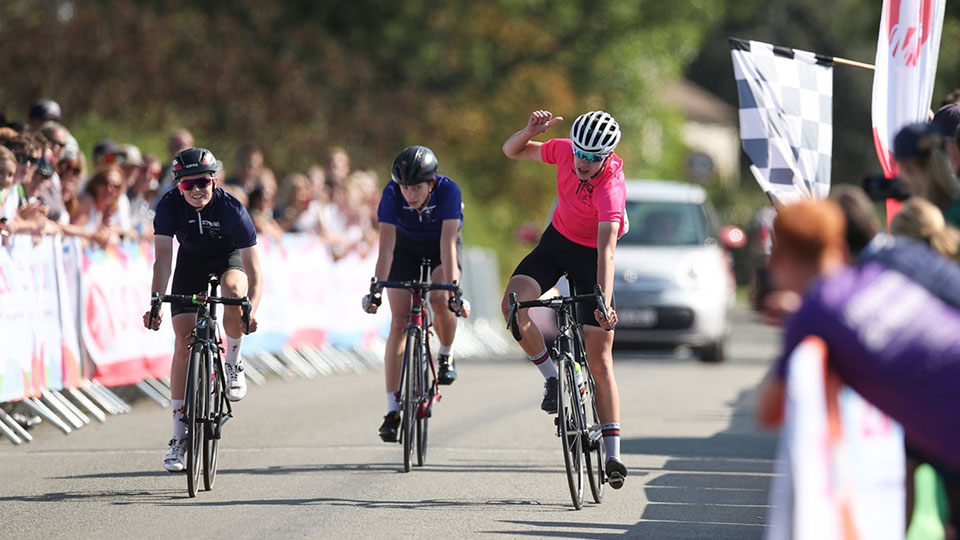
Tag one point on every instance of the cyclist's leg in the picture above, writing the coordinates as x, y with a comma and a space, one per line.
183, 324
400, 302
599, 344
233, 284
526, 288
445, 325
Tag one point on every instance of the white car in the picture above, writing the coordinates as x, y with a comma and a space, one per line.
674, 278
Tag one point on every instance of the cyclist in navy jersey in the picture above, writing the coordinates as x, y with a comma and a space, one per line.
420, 215
216, 236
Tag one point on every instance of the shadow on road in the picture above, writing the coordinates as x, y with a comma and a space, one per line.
713, 487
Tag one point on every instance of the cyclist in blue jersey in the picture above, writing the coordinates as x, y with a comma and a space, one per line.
216, 236
420, 215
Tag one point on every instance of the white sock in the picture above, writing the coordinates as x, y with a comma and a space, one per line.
179, 427
611, 439
444, 349
392, 404
232, 345
544, 363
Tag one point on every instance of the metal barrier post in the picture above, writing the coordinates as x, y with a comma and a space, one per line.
70, 406
14, 428
54, 405
85, 402
46, 413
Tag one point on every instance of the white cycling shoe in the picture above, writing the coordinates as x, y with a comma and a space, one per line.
174, 461
236, 381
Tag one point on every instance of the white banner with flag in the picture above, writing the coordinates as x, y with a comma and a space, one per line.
786, 118
907, 51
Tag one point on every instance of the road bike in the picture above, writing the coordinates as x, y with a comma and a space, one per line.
418, 376
577, 420
206, 408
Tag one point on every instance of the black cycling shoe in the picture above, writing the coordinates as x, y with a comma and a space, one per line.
549, 403
448, 371
390, 427
616, 472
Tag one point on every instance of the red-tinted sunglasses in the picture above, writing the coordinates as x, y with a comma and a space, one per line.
190, 183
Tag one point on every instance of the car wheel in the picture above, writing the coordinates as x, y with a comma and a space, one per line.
712, 353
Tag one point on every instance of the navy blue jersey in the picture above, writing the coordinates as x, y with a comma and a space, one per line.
220, 228
427, 223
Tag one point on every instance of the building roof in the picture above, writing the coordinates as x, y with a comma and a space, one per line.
698, 104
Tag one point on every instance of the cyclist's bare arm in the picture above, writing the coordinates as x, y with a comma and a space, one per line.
519, 146
388, 239
163, 251
250, 259
448, 250
607, 232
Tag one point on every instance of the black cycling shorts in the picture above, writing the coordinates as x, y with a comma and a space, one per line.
556, 255
408, 252
192, 274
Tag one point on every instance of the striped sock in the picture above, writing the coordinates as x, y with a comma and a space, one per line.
544, 364
611, 439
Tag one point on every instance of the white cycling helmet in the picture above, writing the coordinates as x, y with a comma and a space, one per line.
595, 132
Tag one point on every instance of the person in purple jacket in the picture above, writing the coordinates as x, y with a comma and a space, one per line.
889, 337
420, 215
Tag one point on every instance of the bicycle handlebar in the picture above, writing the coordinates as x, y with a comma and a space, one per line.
555, 303
196, 299
455, 303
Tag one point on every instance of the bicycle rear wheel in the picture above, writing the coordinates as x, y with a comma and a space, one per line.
570, 422
211, 435
195, 402
410, 394
593, 450
428, 389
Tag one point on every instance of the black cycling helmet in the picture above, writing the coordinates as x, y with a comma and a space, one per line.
194, 161
415, 164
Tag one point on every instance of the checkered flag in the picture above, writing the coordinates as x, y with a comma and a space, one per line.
786, 118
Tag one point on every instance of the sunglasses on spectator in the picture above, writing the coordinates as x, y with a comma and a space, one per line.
592, 158
189, 184
27, 159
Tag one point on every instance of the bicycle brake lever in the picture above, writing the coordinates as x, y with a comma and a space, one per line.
512, 322
601, 303
245, 315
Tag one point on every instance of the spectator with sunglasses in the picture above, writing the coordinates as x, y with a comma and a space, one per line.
581, 239
216, 236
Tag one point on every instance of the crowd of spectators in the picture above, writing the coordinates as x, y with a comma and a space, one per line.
48, 186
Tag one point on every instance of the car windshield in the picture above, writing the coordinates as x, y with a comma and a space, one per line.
655, 223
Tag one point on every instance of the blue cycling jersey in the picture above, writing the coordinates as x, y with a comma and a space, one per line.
426, 223
221, 227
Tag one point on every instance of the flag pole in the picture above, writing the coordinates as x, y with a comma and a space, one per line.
852, 63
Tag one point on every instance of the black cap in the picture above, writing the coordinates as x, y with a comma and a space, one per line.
907, 145
44, 109
946, 120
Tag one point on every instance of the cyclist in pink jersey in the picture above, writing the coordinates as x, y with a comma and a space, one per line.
580, 241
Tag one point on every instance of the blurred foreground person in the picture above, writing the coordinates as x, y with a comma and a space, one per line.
875, 322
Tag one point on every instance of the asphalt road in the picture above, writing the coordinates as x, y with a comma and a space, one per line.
302, 460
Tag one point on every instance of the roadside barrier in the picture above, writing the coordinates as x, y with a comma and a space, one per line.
71, 324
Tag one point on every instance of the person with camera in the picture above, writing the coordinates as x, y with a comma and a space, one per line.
925, 170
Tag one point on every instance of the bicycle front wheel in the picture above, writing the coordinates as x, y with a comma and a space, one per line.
570, 423
211, 435
410, 394
195, 403
428, 390
593, 450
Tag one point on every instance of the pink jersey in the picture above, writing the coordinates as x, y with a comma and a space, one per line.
580, 209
